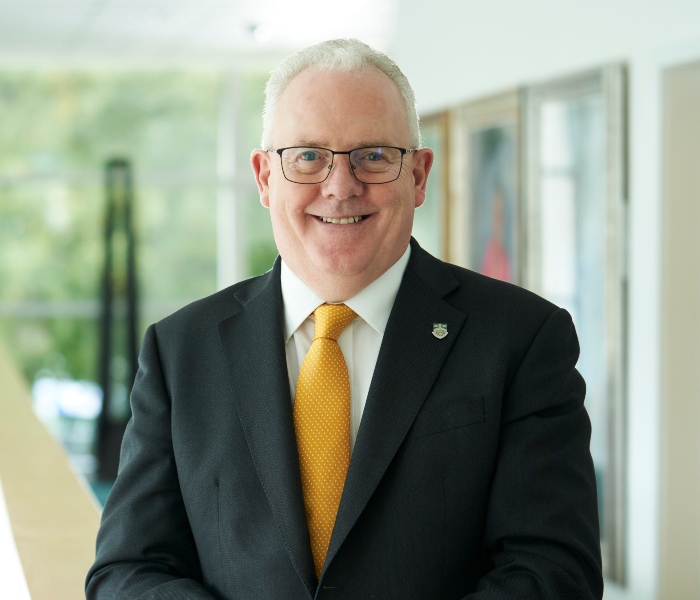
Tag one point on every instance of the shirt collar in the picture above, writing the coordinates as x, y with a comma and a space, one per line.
373, 303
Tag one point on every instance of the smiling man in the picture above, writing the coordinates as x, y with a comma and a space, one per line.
364, 420
340, 230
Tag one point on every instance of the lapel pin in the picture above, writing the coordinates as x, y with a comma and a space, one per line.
439, 330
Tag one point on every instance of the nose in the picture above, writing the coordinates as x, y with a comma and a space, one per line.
341, 183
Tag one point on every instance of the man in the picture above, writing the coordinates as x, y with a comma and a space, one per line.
364, 420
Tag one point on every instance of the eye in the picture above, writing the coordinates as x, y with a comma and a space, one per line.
308, 155
371, 155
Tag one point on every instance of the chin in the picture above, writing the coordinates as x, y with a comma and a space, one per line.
341, 263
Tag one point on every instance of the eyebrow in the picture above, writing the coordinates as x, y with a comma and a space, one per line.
325, 144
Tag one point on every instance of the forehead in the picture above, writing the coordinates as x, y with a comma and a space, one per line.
334, 107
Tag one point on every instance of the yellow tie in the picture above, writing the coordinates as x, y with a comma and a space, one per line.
322, 424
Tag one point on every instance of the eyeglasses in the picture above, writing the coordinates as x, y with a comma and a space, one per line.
376, 164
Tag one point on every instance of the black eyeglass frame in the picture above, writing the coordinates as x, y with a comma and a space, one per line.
352, 167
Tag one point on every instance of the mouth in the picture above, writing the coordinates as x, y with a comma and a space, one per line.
342, 220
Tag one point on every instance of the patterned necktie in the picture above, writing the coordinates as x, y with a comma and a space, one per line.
322, 424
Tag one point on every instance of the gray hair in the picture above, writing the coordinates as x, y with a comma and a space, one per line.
348, 55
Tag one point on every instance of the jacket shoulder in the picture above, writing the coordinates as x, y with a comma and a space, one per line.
475, 293
500, 295
212, 309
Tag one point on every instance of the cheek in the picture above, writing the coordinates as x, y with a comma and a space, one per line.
403, 216
287, 208
401, 204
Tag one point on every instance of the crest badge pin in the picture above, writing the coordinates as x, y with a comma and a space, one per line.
439, 330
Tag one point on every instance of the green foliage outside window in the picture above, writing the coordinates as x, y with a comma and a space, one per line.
59, 129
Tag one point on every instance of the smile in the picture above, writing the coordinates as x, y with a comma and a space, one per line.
342, 221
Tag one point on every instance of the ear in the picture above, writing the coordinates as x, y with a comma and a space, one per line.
422, 163
260, 161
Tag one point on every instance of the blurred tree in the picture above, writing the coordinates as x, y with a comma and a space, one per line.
58, 130
261, 249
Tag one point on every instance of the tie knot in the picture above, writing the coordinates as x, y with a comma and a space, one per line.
331, 319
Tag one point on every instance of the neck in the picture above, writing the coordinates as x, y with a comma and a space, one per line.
337, 287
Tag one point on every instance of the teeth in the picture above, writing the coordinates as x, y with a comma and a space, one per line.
343, 221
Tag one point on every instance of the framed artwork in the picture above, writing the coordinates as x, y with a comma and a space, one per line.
430, 223
575, 177
485, 207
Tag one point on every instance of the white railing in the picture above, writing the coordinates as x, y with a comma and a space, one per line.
13, 585
48, 517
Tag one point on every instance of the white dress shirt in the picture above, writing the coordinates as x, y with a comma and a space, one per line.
359, 342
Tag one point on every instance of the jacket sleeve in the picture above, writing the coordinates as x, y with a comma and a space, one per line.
145, 547
542, 532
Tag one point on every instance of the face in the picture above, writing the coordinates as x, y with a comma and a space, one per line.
341, 111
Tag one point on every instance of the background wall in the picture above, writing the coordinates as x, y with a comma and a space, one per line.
458, 51
679, 539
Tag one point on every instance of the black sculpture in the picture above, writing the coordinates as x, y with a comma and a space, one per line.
119, 317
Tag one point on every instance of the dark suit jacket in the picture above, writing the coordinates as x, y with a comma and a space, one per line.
471, 474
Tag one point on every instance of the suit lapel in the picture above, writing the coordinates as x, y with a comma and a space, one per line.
408, 364
253, 343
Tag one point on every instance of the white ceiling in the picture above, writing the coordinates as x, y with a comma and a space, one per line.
179, 32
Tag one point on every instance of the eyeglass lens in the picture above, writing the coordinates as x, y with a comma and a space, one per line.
379, 164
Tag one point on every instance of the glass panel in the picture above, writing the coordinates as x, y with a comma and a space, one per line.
493, 181
573, 244
58, 131
176, 228
50, 241
57, 356
260, 248
68, 122
428, 222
